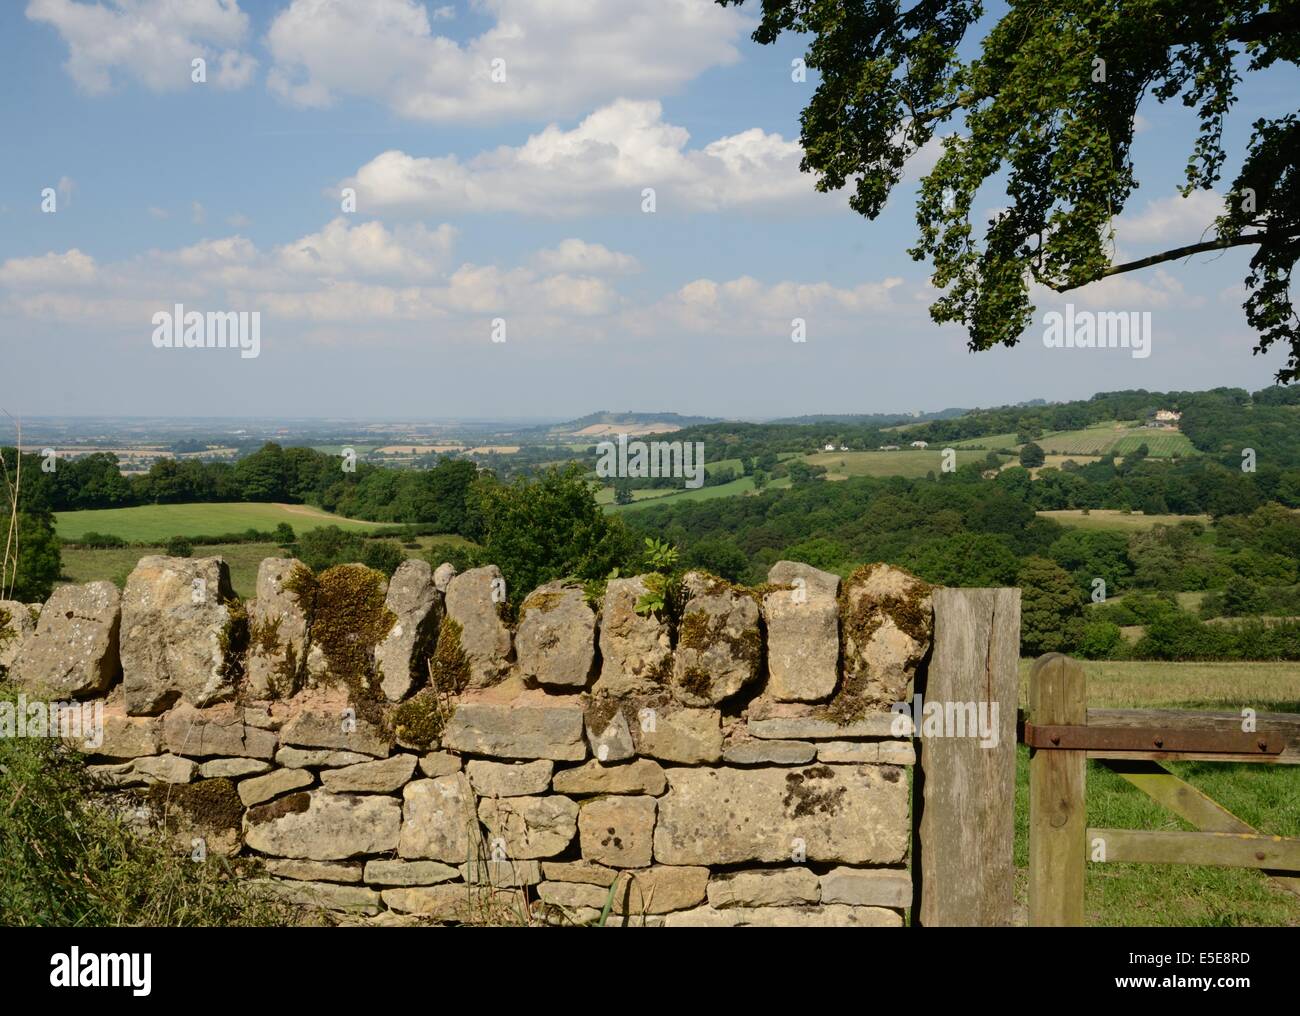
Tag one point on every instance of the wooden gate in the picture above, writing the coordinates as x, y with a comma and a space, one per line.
1063, 733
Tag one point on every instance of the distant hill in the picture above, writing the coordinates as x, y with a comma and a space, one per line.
605, 422
872, 419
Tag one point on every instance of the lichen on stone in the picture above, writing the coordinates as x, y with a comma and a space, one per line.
543, 602
7, 634
860, 620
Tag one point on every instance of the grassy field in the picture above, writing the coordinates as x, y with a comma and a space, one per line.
743, 485
605, 495
990, 442
1111, 518
160, 521
909, 462
1267, 797
1101, 438
117, 563
81, 565
1094, 441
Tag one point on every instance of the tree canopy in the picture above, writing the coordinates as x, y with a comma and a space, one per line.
1049, 103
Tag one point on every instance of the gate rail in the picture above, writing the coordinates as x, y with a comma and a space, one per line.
1062, 734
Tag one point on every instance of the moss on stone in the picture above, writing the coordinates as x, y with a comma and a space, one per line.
290, 804
208, 804
233, 641
696, 682
347, 618
264, 640
860, 619
421, 719
699, 630
542, 602
449, 667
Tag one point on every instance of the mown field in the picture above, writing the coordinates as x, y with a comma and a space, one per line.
1112, 518
1267, 797
908, 462
742, 485
1106, 437
1094, 441
161, 521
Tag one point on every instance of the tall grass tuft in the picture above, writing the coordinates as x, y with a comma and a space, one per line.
69, 859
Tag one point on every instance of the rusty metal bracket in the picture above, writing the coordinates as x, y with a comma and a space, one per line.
1094, 738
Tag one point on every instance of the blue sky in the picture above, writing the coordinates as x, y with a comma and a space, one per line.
516, 199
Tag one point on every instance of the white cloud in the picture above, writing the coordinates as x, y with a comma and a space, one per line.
605, 162
72, 268
159, 213
363, 273
559, 58
1146, 290
400, 284
574, 255
746, 306
152, 41
1171, 221
198, 214
369, 250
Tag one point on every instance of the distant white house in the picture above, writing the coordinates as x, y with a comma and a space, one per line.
920, 444
889, 447
830, 446
844, 447
1168, 416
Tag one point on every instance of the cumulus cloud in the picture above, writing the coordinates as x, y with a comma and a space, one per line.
1171, 221
1155, 288
549, 59
72, 268
362, 273
151, 41
574, 255
397, 282
746, 306
604, 163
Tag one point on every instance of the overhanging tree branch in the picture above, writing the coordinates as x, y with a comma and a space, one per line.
1221, 243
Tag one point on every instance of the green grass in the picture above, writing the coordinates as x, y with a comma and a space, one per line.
160, 521
908, 462
1101, 438
990, 442
115, 564
70, 862
605, 495
82, 565
1267, 797
1111, 518
742, 485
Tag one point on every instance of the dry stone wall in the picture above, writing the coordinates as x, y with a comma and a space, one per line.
403, 750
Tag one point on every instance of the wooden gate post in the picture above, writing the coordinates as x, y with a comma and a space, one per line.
964, 787
1058, 695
